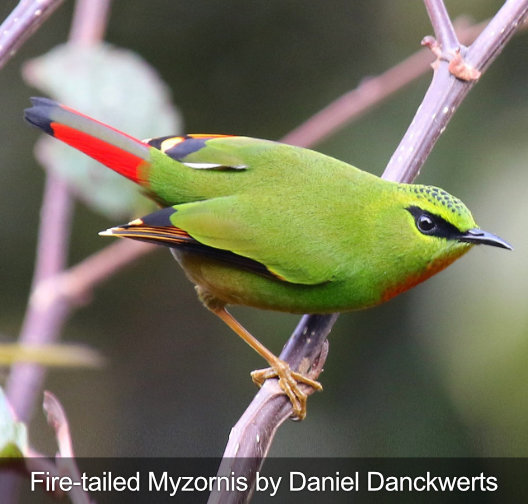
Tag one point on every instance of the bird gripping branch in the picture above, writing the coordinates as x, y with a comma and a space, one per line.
273, 226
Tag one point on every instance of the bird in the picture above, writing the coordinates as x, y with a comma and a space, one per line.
273, 226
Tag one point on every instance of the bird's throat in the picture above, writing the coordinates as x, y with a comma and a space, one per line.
414, 279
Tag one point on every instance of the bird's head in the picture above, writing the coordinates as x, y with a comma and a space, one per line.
444, 219
430, 229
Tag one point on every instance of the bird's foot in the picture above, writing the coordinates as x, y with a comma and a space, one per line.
289, 382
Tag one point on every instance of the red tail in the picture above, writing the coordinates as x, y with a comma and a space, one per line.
119, 151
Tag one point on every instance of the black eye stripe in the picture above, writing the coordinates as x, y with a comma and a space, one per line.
433, 225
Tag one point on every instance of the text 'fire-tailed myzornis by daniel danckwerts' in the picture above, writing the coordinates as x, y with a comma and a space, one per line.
269, 225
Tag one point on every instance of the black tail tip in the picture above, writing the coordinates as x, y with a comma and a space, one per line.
39, 114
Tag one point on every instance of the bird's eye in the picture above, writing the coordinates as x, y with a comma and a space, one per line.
425, 224
433, 225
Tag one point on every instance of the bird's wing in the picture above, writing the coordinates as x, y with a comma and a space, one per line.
157, 228
263, 230
212, 228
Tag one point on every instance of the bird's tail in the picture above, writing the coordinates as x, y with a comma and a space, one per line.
115, 149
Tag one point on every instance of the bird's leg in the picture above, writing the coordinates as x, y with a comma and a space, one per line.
288, 380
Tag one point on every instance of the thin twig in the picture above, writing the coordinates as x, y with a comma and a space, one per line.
371, 92
40, 325
74, 286
440, 102
510, 18
51, 302
447, 92
89, 21
23, 21
442, 26
353, 104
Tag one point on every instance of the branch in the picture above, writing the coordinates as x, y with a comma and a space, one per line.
446, 92
41, 325
65, 458
497, 34
18, 27
63, 464
371, 92
54, 291
250, 439
442, 99
55, 294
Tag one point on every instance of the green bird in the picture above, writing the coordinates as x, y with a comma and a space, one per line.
263, 224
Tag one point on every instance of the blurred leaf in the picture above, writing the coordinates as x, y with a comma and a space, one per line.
115, 86
60, 355
13, 434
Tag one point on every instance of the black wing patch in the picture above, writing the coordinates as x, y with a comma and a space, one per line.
173, 237
179, 147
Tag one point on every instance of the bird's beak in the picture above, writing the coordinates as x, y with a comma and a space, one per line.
480, 237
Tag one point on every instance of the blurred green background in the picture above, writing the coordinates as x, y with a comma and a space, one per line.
439, 371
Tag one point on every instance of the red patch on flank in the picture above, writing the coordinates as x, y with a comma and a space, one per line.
117, 159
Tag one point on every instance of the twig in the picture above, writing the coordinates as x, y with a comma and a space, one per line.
89, 21
370, 92
497, 34
63, 465
444, 95
442, 26
40, 325
51, 302
447, 92
74, 286
23, 21
58, 421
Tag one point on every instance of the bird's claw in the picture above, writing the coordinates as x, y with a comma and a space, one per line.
289, 383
